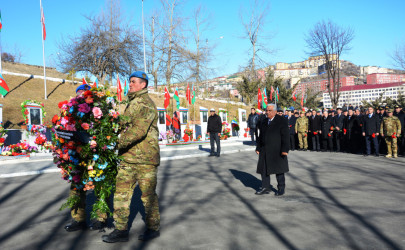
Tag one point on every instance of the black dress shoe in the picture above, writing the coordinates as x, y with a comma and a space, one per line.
116, 236
149, 234
217, 155
75, 225
262, 191
280, 192
97, 225
211, 155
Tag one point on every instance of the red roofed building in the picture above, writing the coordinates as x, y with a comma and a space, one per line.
379, 78
321, 85
354, 95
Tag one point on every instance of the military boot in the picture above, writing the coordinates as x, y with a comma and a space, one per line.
75, 225
388, 156
395, 155
149, 234
116, 236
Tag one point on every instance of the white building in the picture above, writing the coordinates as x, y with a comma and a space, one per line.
354, 95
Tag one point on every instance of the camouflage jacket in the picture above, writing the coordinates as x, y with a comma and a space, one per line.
390, 125
301, 125
139, 136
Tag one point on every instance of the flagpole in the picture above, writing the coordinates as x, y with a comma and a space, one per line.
143, 34
43, 47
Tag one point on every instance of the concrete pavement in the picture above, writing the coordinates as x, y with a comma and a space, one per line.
338, 201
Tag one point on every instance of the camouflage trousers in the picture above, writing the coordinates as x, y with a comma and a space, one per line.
302, 140
391, 145
78, 213
127, 177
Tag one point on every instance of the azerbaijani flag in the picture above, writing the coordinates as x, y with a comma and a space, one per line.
188, 94
271, 93
43, 24
1, 23
193, 96
177, 98
264, 101
126, 88
84, 81
3, 86
277, 94
294, 95
259, 99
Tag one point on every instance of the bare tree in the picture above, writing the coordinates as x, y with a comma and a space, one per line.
174, 48
253, 20
155, 53
201, 55
330, 41
399, 57
106, 47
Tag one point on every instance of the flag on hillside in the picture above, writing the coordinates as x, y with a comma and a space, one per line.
177, 98
1, 23
277, 95
264, 101
188, 94
43, 24
305, 98
119, 89
126, 88
167, 98
302, 99
193, 96
259, 99
271, 93
3, 86
84, 81
294, 96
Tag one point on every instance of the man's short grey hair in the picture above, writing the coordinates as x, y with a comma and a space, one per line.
273, 105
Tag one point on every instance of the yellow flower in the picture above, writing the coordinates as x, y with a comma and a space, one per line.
92, 173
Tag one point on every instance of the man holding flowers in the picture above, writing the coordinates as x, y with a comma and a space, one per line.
138, 146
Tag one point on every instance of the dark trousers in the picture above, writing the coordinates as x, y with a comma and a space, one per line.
327, 144
292, 141
370, 139
214, 138
253, 134
280, 181
338, 140
315, 142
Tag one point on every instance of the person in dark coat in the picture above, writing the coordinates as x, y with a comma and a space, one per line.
214, 128
251, 123
338, 126
272, 148
326, 132
314, 130
352, 133
291, 125
370, 129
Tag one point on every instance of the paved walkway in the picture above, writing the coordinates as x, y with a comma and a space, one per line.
332, 201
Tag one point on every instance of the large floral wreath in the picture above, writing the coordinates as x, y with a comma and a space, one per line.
85, 143
25, 112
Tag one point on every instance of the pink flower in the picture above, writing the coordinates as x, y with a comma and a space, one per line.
97, 112
85, 126
93, 144
64, 121
76, 178
90, 167
70, 127
84, 108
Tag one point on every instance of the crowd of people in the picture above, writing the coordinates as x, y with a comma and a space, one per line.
364, 131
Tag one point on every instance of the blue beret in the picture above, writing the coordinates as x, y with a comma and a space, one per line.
83, 87
139, 74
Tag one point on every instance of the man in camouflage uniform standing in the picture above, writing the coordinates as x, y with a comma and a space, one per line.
391, 130
301, 128
139, 148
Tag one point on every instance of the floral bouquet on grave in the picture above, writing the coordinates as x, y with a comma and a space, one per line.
85, 138
3, 134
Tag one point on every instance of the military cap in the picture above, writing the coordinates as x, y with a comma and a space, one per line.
396, 106
83, 87
139, 74
279, 110
381, 108
330, 111
212, 110
339, 108
390, 110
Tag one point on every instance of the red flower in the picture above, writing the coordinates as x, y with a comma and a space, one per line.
315, 133
394, 135
55, 119
87, 93
373, 135
329, 135
26, 112
2, 140
62, 103
331, 128
344, 131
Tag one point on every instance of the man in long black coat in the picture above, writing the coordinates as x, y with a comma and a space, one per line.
326, 135
370, 129
338, 125
272, 148
315, 129
291, 125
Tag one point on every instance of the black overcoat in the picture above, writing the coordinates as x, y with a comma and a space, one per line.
273, 140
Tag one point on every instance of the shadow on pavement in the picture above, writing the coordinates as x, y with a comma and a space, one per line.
247, 179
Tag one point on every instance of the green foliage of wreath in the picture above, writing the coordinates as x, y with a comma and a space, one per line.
25, 112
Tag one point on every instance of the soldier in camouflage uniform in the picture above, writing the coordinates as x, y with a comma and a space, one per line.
301, 128
391, 129
138, 145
